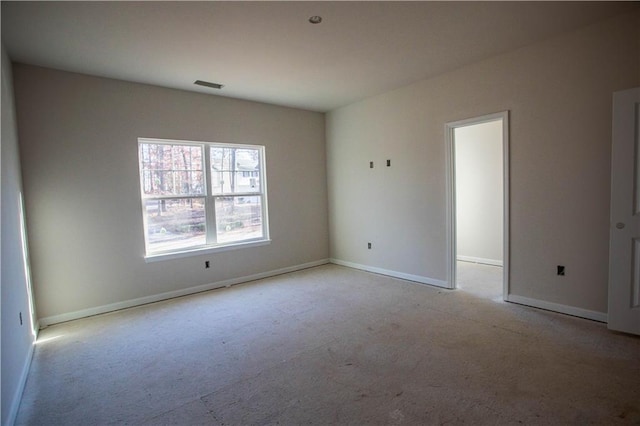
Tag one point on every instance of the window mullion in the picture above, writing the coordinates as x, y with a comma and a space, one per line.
263, 194
170, 197
210, 204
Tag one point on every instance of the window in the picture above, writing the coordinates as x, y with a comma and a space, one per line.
201, 195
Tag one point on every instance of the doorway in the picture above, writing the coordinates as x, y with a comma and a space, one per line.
477, 189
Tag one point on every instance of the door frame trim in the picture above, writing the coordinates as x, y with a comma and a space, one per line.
451, 201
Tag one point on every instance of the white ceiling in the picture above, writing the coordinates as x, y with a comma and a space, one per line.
268, 51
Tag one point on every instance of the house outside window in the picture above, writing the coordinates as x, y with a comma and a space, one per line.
201, 196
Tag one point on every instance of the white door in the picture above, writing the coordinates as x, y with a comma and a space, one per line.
624, 250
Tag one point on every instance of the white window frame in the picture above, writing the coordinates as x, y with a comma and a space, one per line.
211, 245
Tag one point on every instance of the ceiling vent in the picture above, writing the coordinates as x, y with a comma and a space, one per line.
208, 84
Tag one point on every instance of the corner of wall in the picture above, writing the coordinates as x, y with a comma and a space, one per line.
18, 333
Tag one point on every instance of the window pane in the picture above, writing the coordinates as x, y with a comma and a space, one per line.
238, 218
175, 224
171, 169
235, 170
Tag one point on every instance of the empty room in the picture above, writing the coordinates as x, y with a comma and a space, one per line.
330, 213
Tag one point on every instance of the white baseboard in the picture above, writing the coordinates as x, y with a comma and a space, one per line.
535, 303
492, 262
47, 321
556, 307
14, 405
395, 274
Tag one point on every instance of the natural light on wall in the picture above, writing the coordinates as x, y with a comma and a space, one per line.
201, 196
27, 266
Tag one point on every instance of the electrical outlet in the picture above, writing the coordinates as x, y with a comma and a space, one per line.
388, 163
206, 264
369, 246
371, 164
560, 270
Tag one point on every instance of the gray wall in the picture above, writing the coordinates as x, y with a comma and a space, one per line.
17, 340
78, 137
558, 93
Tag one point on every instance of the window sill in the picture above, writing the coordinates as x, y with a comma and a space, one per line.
204, 250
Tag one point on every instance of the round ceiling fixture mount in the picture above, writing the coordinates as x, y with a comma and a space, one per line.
315, 19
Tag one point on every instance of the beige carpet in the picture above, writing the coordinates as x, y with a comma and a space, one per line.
332, 345
480, 280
